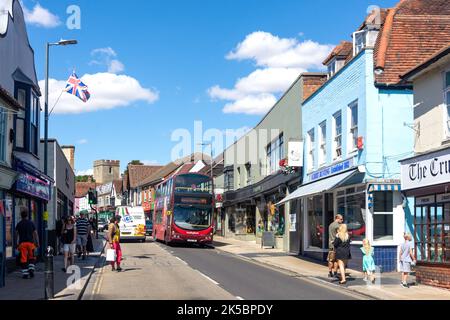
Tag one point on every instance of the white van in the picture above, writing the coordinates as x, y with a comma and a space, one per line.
132, 223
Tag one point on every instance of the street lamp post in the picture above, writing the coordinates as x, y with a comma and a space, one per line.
212, 178
49, 276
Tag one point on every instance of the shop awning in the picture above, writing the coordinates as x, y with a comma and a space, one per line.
381, 187
318, 186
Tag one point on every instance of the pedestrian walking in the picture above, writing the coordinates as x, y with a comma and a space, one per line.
83, 229
69, 238
406, 258
27, 242
368, 261
342, 248
114, 242
332, 232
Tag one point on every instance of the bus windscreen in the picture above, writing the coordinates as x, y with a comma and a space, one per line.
192, 218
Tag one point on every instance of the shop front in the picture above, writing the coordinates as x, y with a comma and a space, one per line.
251, 211
31, 190
426, 179
372, 209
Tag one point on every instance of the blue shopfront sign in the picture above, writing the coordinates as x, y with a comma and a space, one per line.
337, 168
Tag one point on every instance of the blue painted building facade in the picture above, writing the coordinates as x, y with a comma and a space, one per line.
354, 134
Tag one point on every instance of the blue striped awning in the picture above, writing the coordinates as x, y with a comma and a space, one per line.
380, 187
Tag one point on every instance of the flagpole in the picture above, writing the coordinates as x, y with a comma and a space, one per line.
57, 100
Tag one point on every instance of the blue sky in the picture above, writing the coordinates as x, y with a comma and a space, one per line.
156, 66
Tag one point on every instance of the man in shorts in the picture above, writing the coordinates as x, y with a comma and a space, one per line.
332, 231
83, 229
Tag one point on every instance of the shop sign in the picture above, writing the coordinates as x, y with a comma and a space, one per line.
443, 197
295, 154
33, 186
339, 167
429, 171
425, 200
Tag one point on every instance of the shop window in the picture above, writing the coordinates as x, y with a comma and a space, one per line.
352, 207
275, 219
315, 222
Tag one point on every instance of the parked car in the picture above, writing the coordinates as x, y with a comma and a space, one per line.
148, 227
102, 225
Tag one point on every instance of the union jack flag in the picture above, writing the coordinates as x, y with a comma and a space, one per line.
77, 88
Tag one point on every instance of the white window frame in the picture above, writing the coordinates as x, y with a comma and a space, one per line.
323, 143
446, 90
385, 213
311, 149
352, 143
337, 150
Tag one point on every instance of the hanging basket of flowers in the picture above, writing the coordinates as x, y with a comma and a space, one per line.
285, 168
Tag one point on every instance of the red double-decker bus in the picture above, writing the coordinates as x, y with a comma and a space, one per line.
183, 209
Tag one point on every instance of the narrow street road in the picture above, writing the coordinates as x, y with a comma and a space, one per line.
155, 271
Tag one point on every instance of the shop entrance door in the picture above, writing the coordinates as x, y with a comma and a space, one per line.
294, 225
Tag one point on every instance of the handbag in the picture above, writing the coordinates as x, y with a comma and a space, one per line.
111, 255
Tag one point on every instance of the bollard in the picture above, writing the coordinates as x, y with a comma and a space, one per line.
49, 275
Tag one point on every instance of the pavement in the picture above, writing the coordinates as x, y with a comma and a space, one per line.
151, 272
387, 285
67, 286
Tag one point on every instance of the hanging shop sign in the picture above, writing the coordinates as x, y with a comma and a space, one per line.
295, 154
33, 186
336, 168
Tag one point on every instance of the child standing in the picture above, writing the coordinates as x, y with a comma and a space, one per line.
368, 262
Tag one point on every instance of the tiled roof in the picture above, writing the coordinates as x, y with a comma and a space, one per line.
343, 50
118, 186
82, 188
444, 52
171, 167
413, 31
139, 173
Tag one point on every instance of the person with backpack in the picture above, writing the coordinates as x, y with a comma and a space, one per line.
27, 241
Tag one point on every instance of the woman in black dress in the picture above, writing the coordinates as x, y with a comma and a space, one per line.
342, 247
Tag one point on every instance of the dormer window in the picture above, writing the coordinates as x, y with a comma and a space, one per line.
335, 65
359, 41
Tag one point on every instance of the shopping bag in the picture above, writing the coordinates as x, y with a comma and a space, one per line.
111, 255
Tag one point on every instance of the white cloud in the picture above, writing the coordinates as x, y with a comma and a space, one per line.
82, 141
279, 60
88, 172
107, 91
41, 17
106, 56
251, 104
115, 66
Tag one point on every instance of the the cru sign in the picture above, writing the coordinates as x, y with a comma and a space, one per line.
425, 171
